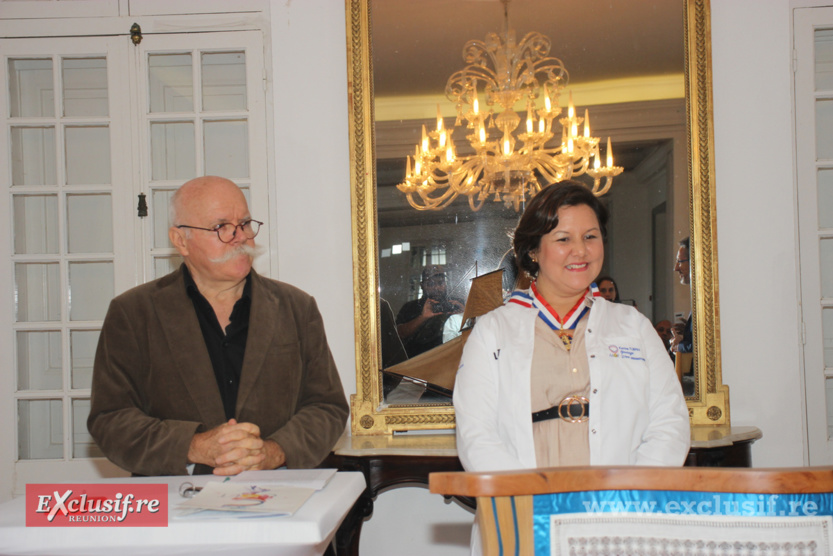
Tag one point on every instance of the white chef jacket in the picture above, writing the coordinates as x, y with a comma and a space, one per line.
638, 415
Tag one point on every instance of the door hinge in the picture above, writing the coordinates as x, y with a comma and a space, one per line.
142, 209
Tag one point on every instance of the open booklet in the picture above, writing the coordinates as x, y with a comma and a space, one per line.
255, 494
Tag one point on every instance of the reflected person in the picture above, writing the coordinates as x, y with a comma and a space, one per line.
420, 321
665, 332
608, 288
214, 368
683, 338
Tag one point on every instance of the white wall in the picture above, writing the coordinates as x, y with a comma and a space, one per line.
314, 237
312, 164
755, 210
756, 224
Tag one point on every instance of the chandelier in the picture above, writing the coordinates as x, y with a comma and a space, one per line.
508, 164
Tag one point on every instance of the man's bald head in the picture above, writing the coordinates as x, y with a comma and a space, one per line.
196, 191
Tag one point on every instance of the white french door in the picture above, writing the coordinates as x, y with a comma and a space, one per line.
813, 33
88, 126
202, 113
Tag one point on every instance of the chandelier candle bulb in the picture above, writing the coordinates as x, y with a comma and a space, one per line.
586, 124
609, 154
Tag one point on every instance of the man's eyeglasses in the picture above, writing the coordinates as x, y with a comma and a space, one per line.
681, 261
228, 231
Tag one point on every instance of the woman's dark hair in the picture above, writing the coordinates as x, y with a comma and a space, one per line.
541, 217
601, 279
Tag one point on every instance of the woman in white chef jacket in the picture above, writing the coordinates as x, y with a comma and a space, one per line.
559, 376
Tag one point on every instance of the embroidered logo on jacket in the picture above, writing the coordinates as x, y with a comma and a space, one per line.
626, 352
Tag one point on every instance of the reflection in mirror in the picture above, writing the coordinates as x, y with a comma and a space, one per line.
633, 87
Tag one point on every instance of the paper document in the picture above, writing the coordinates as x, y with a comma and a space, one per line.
238, 499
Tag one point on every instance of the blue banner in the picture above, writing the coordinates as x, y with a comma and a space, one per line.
672, 502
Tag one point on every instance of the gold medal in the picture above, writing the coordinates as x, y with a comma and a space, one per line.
566, 338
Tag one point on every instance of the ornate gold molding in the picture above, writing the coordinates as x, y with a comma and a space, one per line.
709, 405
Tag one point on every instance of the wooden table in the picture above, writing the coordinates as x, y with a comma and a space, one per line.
306, 533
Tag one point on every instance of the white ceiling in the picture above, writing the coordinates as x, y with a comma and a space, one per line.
418, 44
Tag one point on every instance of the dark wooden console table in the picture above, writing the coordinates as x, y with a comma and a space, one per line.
391, 461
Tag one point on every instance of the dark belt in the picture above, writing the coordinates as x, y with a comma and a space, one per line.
575, 409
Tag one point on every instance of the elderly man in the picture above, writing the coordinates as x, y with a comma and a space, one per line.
214, 367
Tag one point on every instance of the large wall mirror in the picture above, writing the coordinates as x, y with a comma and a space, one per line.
648, 91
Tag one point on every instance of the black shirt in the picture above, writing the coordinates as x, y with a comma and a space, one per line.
226, 349
430, 333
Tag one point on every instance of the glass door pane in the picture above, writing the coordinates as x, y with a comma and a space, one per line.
60, 140
204, 133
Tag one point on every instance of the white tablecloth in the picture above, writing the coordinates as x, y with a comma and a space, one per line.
307, 532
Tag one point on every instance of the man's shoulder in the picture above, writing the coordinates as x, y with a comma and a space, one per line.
143, 291
278, 289
414, 302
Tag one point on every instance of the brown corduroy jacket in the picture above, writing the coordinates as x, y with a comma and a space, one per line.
154, 386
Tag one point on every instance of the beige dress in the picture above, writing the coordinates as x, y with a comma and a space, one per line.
557, 373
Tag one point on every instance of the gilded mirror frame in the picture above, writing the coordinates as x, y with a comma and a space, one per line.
710, 403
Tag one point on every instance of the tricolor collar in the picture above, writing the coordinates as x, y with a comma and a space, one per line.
533, 299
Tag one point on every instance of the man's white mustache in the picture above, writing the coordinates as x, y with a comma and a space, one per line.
252, 251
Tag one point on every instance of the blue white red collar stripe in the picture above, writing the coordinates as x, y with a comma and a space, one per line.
521, 298
548, 314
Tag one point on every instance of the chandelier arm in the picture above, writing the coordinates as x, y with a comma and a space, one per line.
476, 51
605, 189
418, 206
448, 195
536, 43
475, 207
468, 79
550, 168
